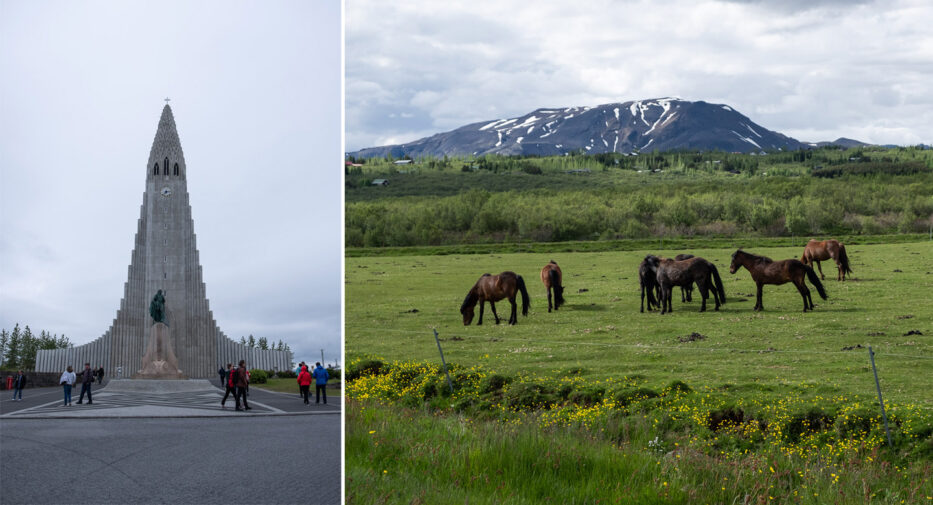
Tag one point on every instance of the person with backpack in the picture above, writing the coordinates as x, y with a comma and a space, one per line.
304, 383
100, 375
19, 382
320, 375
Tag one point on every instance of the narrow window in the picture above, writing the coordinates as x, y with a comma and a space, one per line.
155, 169
166, 165
176, 169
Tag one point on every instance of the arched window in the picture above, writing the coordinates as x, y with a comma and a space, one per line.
175, 170
155, 169
166, 165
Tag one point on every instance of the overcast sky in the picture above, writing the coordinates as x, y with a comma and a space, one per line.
255, 90
814, 70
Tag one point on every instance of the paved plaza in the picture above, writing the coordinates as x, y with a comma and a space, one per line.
181, 447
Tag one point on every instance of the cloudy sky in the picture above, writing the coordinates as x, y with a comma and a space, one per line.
255, 90
814, 70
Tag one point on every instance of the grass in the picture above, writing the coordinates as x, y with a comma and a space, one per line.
288, 385
393, 303
413, 456
572, 386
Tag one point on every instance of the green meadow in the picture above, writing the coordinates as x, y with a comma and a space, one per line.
598, 403
393, 304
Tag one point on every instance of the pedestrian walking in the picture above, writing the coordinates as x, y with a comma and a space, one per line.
320, 376
19, 382
223, 374
100, 375
297, 372
230, 383
304, 383
67, 381
87, 378
242, 380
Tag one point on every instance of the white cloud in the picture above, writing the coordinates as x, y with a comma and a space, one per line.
830, 67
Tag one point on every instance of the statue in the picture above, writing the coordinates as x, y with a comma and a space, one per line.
157, 308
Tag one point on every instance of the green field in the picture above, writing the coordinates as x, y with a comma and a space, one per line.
601, 331
591, 385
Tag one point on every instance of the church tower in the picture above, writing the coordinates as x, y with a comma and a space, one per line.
164, 257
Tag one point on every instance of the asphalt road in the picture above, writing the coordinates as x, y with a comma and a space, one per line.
248, 460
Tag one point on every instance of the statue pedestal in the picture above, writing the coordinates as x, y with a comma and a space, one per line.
159, 362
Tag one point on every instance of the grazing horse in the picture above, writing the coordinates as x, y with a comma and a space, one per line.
764, 270
817, 251
686, 292
648, 279
492, 288
684, 273
551, 276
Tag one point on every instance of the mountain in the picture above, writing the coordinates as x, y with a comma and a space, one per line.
645, 125
841, 142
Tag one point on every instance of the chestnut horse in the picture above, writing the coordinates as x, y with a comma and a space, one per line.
764, 270
817, 251
648, 280
492, 288
684, 273
551, 276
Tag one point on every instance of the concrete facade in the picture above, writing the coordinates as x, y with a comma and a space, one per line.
165, 257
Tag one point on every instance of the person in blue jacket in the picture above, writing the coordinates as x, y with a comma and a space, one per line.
320, 382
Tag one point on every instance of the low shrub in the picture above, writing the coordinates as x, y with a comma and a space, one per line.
257, 376
529, 396
588, 397
803, 423
626, 397
724, 418
495, 382
368, 367
678, 386
286, 374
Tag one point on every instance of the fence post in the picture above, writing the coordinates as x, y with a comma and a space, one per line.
449, 383
884, 416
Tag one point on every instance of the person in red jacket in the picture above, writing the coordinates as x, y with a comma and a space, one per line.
304, 382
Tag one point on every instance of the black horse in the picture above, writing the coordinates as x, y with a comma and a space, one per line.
682, 273
648, 279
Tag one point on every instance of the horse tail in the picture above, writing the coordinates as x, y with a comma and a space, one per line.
815, 280
526, 302
558, 289
844, 259
717, 283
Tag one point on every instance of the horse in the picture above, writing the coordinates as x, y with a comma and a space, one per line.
493, 288
764, 270
551, 276
686, 292
817, 251
683, 273
648, 279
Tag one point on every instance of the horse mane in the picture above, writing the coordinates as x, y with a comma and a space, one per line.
758, 258
471, 299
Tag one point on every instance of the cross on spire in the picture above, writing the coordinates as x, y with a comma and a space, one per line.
166, 100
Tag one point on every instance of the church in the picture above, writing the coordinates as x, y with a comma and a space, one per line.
164, 261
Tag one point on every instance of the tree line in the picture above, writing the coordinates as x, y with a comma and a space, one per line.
18, 347
264, 344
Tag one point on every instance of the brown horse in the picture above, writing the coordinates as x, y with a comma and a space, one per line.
648, 280
686, 292
764, 270
684, 273
492, 288
817, 251
551, 276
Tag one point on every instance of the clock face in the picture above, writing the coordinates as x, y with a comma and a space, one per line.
166, 191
